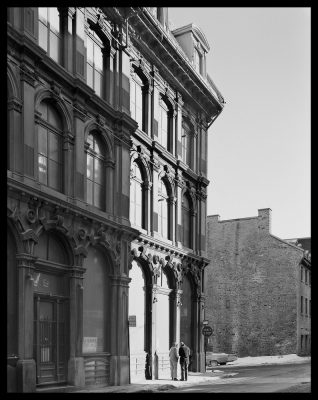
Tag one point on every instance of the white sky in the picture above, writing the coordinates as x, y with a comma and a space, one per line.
259, 146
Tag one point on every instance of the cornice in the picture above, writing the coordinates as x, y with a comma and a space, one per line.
72, 209
152, 37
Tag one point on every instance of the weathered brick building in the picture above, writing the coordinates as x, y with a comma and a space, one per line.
258, 289
108, 115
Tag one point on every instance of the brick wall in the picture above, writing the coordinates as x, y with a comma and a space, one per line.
251, 287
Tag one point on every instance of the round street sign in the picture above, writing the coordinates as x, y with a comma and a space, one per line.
207, 331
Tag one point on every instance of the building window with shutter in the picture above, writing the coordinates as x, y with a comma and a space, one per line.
136, 197
95, 172
50, 155
50, 38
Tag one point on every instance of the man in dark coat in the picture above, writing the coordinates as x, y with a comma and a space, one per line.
184, 353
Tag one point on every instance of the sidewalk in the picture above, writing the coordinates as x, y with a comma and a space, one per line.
160, 385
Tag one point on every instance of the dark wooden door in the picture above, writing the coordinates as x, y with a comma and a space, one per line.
50, 339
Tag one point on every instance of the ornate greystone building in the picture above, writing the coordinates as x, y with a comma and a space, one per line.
108, 113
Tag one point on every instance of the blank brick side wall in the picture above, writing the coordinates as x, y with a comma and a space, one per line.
251, 289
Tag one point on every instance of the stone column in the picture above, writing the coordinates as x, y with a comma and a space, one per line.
148, 109
109, 62
80, 154
15, 139
110, 167
172, 201
147, 193
154, 200
76, 369
178, 126
119, 363
68, 171
28, 81
26, 367
178, 232
193, 227
154, 355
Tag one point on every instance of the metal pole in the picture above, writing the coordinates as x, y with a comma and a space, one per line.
204, 353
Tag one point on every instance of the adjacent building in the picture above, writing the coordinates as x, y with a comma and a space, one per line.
258, 288
108, 113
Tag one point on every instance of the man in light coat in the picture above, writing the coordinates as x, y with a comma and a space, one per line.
173, 355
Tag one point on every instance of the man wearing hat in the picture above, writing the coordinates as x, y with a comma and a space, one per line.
184, 353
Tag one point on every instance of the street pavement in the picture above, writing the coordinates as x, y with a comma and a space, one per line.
194, 378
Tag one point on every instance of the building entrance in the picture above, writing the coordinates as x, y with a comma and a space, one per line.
50, 339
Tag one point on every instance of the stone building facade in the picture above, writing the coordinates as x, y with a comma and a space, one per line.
107, 116
258, 293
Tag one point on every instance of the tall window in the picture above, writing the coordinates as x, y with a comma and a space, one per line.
186, 144
94, 63
163, 210
50, 147
95, 182
137, 100
164, 125
136, 197
50, 38
186, 222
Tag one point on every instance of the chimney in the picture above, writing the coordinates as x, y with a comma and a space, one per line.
265, 219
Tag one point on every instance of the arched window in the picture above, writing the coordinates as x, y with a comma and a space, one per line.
50, 156
94, 64
95, 182
163, 210
137, 100
50, 38
186, 221
186, 142
50, 248
136, 197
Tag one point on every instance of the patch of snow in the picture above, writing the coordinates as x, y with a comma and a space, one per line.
281, 359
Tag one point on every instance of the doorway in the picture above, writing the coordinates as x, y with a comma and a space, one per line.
50, 339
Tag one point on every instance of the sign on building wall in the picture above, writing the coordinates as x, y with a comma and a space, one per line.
89, 344
132, 320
